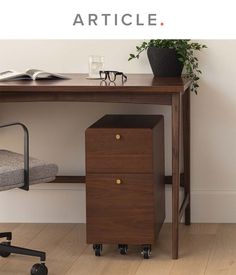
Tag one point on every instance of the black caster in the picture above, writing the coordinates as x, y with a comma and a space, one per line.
146, 252
123, 249
97, 249
39, 269
5, 254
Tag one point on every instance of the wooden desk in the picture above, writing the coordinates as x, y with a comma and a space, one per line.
140, 88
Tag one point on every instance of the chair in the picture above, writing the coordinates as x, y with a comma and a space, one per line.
20, 171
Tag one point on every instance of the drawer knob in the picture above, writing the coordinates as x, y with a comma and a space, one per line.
118, 181
118, 136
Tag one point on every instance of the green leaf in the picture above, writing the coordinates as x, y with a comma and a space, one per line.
185, 50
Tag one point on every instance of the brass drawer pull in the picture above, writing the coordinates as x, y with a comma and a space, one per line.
118, 181
118, 136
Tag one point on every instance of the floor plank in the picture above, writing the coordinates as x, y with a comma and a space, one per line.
45, 240
223, 256
67, 251
111, 262
204, 249
23, 234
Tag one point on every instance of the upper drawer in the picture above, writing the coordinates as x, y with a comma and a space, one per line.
118, 141
119, 150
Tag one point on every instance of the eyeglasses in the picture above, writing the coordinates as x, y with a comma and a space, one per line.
111, 75
107, 83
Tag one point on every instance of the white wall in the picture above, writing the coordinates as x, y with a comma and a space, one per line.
57, 129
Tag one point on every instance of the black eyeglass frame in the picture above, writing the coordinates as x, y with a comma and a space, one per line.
107, 75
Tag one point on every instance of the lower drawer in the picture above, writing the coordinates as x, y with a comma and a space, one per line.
120, 208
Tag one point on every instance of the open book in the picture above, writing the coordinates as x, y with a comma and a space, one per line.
30, 74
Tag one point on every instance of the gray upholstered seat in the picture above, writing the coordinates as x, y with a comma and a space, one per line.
12, 170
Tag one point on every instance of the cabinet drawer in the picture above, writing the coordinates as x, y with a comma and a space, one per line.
119, 150
120, 208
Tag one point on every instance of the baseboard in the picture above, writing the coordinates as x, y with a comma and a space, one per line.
65, 203
44, 203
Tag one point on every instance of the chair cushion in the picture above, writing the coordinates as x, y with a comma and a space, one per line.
12, 170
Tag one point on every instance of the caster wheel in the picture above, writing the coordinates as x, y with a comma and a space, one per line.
146, 252
123, 249
39, 269
97, 249
5, 254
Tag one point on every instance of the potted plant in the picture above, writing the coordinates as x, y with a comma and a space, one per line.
168, 58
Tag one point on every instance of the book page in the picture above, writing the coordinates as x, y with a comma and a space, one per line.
13, 75
39, 74
31, 74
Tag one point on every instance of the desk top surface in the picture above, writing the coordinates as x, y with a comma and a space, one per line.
78, 83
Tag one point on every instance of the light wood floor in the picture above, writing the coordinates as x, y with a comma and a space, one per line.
204, 249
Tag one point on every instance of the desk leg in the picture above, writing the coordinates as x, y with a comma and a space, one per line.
186, 148
175, 172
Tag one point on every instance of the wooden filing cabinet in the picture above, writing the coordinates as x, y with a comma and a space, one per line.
125, 199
